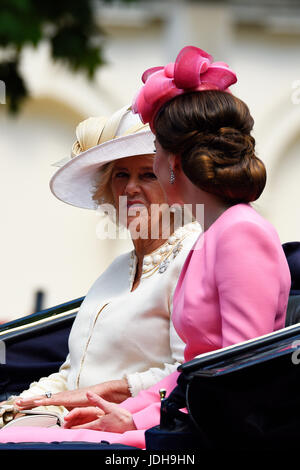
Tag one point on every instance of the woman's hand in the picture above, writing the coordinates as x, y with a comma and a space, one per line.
8, 411
69, 399
103, 416
114, 390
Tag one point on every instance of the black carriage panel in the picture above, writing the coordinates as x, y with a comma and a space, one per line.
34, 346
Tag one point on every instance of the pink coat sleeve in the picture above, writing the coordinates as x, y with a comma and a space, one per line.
247, 272
145, 407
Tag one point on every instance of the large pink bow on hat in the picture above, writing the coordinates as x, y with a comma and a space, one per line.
193, 70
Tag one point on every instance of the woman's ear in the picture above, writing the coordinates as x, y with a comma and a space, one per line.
174, 161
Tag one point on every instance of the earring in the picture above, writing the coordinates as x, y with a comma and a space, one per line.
172, 176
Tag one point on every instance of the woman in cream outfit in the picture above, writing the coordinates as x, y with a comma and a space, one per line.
122, 340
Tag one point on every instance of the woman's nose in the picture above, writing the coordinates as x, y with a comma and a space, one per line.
132, 186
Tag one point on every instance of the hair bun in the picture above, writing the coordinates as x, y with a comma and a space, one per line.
210, 130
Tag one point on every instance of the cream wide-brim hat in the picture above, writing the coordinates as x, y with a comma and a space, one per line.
122, 135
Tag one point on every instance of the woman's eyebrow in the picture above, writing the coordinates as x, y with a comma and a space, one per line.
118, 168
142, 168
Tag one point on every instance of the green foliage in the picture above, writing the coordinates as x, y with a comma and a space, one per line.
18, 24
68, 25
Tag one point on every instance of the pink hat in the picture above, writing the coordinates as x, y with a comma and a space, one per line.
193, 70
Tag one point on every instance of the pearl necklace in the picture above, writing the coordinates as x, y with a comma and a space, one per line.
160, 259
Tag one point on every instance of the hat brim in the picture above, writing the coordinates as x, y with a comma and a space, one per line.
74, 183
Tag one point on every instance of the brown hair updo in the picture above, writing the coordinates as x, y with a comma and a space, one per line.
210, 130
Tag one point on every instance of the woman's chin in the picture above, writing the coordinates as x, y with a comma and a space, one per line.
171, 197
138, 227
173, 200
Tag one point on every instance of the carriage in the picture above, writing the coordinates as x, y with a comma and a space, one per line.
233, 382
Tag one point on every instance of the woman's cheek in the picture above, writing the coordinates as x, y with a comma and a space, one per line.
117, 189
156, 165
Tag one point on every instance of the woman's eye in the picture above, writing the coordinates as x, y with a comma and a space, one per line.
121, 174
149, 175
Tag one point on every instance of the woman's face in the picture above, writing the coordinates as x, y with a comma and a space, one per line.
134, 178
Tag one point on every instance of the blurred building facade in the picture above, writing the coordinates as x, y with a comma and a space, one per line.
49, 246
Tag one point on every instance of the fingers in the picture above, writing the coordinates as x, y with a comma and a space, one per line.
94, 425
79, 416
33, 402
67, 402
90, 411
104, 405
24, 403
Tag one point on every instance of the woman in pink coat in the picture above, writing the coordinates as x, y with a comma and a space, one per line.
235, 282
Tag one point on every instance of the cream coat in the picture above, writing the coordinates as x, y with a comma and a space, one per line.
122, 333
